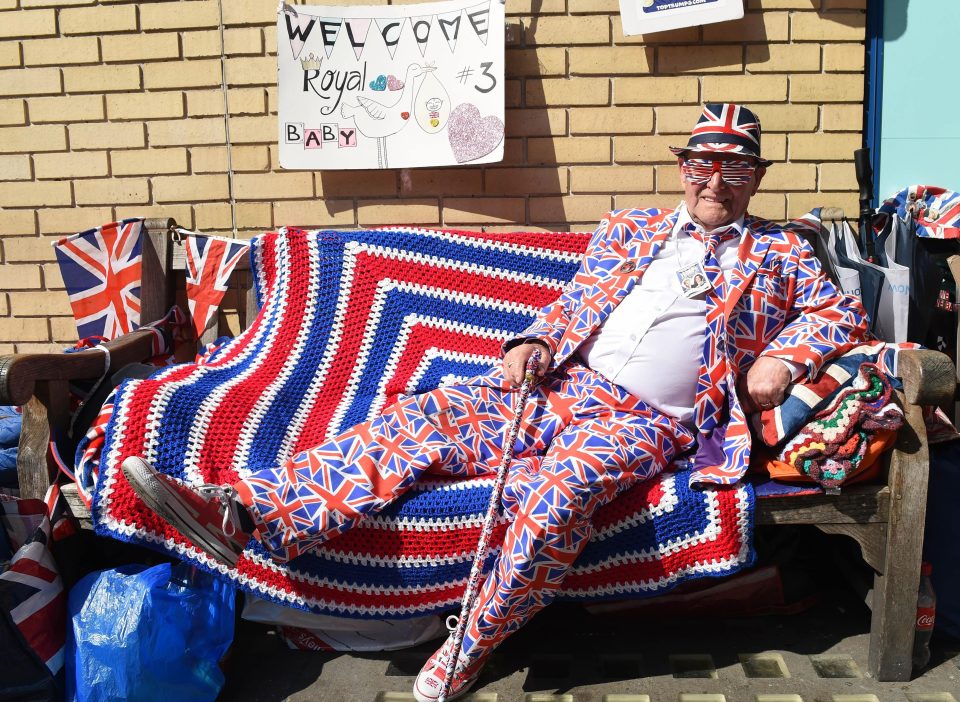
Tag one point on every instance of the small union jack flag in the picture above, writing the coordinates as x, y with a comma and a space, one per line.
210, 261
936, 210
32, 596
101, 271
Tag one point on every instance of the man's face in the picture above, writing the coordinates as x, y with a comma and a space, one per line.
716, 203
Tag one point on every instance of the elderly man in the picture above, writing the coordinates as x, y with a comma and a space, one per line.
677, 324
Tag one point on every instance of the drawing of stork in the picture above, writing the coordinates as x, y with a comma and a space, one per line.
377, 120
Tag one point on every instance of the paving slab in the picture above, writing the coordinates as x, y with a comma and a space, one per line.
568, 655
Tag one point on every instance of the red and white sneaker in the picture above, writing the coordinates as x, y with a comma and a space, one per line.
208, 515
429, 682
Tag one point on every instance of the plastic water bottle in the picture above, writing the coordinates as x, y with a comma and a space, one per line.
926, 615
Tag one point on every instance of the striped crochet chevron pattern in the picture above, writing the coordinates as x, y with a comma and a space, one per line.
350, 321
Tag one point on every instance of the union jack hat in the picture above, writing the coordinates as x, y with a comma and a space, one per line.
726, 128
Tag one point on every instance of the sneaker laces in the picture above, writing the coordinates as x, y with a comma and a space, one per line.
229, 505
463, 662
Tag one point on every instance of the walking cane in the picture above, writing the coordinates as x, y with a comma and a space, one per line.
473, 582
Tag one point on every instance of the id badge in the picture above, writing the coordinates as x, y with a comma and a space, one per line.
693, 279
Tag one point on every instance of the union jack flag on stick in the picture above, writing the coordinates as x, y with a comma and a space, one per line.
210, 261
101, 271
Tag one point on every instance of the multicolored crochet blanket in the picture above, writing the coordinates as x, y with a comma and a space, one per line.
348, 321
831, 447
810, 399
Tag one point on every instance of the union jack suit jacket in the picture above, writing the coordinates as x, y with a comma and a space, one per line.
779, 303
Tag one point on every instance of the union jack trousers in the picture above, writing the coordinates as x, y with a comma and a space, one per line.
582, 442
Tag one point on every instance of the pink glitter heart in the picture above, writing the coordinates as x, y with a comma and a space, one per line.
394, 83
470, 135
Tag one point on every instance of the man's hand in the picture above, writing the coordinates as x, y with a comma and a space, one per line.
515, 361
764, 385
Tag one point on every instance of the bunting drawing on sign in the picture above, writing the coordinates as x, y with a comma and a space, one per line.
356, 77
357, 30
479, 16
298, 29
101, 271
210, 261
449, 23
421, 31
329, 31
390, 30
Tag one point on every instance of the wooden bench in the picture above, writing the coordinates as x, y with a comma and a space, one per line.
886, 519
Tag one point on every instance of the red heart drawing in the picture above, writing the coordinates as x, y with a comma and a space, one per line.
470, 135
405, 115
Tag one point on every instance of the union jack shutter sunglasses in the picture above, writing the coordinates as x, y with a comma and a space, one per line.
700, 170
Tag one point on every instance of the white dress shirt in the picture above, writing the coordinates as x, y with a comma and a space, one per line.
652, 343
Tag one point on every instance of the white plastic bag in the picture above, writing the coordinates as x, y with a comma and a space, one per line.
884, 290
848, 278
306, 630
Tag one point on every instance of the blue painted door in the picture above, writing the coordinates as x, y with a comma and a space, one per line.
920, 118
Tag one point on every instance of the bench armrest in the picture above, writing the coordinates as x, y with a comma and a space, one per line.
19, 373
929, 377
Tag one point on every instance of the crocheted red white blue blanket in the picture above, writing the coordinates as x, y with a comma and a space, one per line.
348, 320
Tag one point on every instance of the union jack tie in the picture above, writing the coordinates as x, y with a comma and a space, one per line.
712, 384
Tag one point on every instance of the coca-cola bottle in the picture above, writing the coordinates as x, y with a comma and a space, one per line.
926, 615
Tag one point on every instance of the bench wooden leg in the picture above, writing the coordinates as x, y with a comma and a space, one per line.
895, 589
48, 407
33, 473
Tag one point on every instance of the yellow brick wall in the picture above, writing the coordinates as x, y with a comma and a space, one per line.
111, 109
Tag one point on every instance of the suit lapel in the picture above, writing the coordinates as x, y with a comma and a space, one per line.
609, 290
750, 255
638, 254
649, 247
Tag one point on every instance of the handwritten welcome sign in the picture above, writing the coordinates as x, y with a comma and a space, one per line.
391, 86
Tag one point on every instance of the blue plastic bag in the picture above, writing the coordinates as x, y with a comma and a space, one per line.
10, 420
138, 633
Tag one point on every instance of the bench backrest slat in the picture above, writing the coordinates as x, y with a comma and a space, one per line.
164, 262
